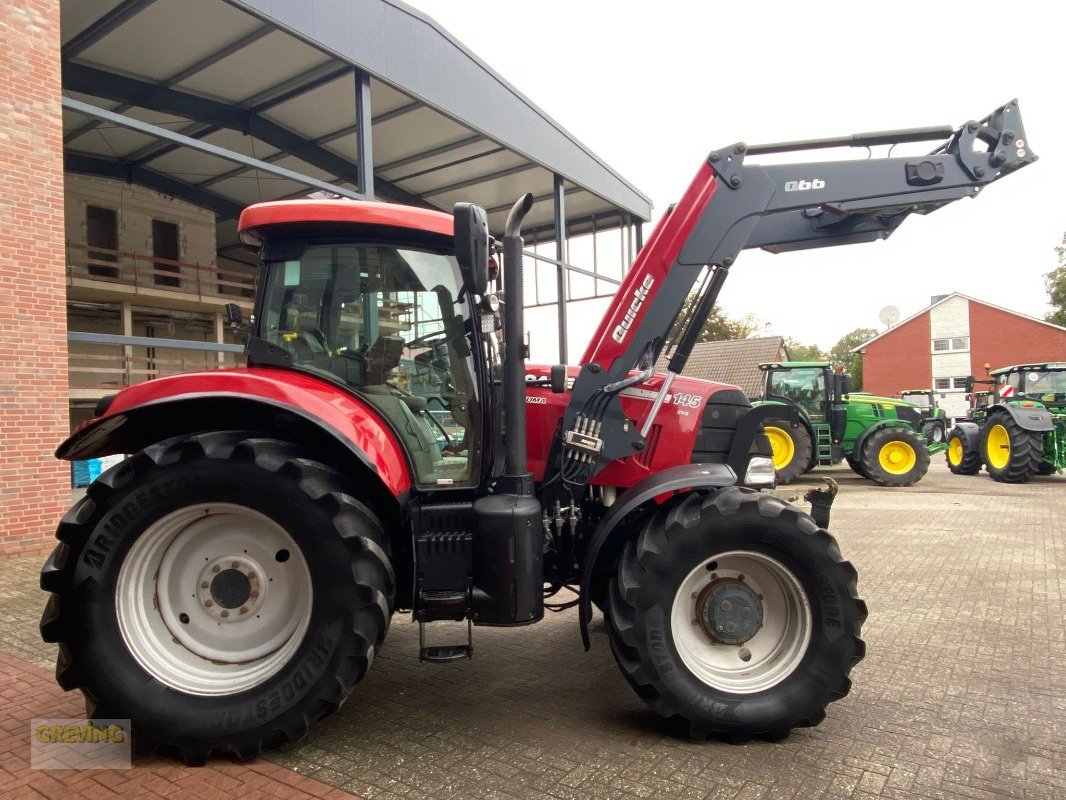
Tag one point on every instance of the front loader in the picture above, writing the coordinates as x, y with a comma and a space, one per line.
387, 448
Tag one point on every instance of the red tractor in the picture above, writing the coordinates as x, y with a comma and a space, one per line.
227, 585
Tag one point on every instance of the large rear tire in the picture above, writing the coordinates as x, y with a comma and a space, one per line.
792, 449
962, 459
736, 614
220, 591
1011, 453
895, 457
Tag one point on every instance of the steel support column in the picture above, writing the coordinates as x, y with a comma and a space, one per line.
364, 134
561, 256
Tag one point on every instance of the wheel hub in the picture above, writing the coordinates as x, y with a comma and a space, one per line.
229, 588
731, 612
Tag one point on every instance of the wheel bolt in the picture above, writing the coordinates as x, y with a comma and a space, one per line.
254, 593
745, 654
244, 610
740, 577
235, 564
204, 584
252, 577
225, 614
714, 575
208, 603
216, 568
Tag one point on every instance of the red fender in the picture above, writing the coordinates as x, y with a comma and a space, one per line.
342, 414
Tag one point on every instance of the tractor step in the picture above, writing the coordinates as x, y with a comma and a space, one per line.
442, 654
823, 443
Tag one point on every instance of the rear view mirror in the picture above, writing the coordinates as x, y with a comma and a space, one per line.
471, 225
847, 384
233, 314
969, 384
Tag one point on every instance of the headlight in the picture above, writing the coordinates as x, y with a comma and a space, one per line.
760, 471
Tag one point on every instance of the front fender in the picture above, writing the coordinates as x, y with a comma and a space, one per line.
257, 398
1034, 418
969, 432
860, 442
609, 538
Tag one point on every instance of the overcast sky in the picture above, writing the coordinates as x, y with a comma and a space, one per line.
652, 87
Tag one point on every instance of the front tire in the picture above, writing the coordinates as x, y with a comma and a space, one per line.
792, 449
962, 459
790, 607
895, 457
218, 590
1011, 453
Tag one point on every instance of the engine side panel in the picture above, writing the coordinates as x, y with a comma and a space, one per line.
672, 439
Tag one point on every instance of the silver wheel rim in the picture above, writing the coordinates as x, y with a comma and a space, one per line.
179, 599
775, 649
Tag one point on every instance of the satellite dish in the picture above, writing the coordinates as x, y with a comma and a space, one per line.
889, 315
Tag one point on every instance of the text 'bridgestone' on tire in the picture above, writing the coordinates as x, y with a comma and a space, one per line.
736, 614
218, 590
895, 457
792, 449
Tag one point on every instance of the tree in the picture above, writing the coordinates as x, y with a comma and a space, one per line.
1055, 281
798, 351
841, 351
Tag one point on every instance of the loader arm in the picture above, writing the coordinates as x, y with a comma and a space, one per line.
732, 205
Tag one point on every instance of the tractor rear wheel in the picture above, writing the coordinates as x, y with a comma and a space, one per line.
218, 590
792, 449
962, 459
1011, 453
736, 614
895, 457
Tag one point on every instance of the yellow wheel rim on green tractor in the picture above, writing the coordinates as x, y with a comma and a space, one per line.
998, 446
955, 451
782, 445
897, 457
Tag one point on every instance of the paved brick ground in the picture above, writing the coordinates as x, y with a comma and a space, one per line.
962, 693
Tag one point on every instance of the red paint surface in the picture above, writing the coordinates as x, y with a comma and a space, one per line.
1002, 339
353, 419
281, 212
670, 446
901, 359
655, 259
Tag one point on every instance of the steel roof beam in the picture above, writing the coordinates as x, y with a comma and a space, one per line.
204, 147
150, 179
99, 83
503, 173
109, 22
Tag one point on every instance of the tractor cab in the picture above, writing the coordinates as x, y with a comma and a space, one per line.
380, 308
1043, 383
811, 385
922, 398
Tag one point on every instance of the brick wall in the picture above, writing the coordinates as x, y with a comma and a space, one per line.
1000, 338
34, 487
899, 360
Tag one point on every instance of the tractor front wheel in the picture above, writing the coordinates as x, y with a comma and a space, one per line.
855, 462
219, 591
1011, 453
792, 449
895, 457
737, 614
962, 458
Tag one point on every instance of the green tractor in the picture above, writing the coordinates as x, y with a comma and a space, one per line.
1020, 428
934, 419
823, 422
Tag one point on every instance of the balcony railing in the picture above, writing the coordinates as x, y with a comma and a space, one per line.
143, 272
96, 364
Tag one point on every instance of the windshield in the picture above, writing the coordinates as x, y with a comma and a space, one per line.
385, 321
805, 387
1046, 385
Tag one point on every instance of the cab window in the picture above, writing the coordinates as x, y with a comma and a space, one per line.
805, 387
387, 322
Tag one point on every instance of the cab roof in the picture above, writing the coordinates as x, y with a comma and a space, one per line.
793, 364
288, 212
1049, 365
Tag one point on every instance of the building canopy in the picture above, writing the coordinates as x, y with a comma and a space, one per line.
225, 103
